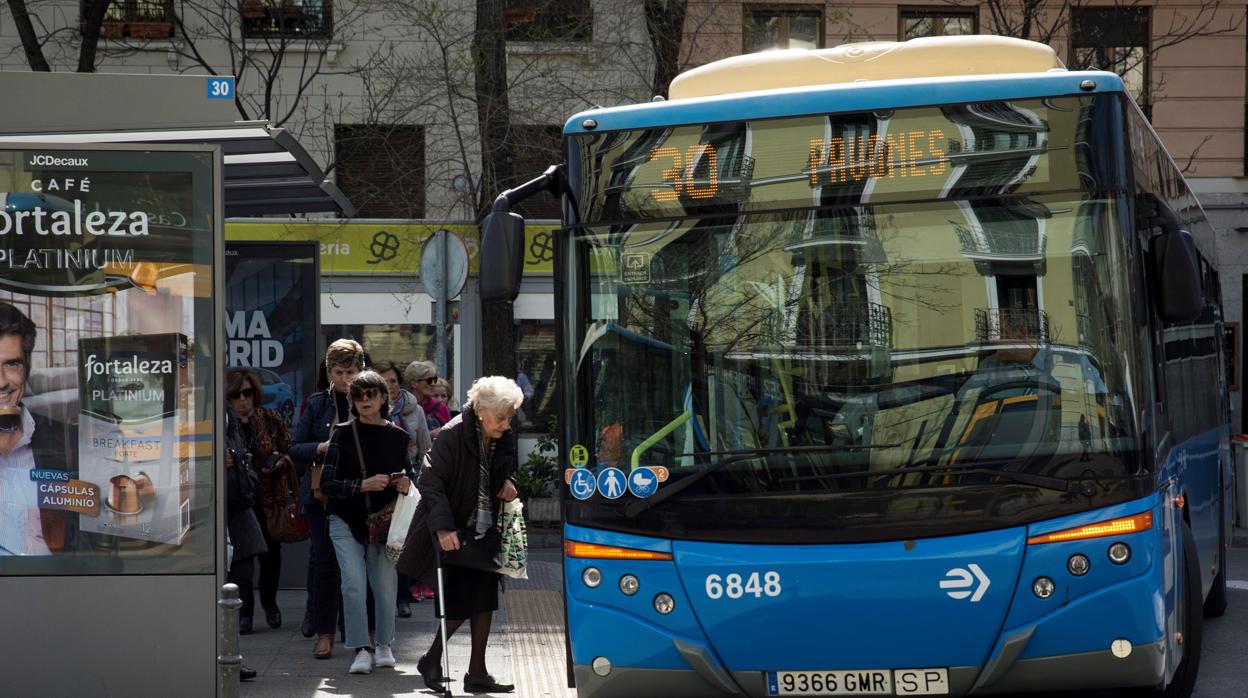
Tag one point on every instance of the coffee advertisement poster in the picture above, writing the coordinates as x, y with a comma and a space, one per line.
107, 343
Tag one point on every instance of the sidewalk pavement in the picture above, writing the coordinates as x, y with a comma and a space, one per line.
526, 647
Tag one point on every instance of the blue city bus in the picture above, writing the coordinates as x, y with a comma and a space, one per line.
890, 369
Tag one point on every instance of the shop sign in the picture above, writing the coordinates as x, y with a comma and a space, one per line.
362, 247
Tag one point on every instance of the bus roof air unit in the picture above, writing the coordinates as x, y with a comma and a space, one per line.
928, 57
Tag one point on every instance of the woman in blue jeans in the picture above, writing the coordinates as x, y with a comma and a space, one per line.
365, 470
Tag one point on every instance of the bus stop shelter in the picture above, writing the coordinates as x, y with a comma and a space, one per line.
126, 599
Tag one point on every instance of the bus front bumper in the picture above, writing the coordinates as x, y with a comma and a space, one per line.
1145, 666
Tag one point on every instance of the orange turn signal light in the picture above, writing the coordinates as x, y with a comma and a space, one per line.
573, 548
1113, 527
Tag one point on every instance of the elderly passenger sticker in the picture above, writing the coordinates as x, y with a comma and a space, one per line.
611, 483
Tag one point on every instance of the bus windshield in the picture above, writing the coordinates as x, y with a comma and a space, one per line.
864, 371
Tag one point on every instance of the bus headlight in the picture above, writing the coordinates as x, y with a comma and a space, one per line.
592, 577
664, 604
1119, 553
629, 584
1078, 565
1043, 587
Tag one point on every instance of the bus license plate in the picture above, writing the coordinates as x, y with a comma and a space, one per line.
865, 682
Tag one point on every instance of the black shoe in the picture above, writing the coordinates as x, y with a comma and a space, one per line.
273, 616
485, 684
245, 674
431, 673
306, 629
404, 610
244, 625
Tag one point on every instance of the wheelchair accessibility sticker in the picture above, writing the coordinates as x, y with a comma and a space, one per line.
643, 482
581, 482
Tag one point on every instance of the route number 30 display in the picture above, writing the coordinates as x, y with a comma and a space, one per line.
734, 586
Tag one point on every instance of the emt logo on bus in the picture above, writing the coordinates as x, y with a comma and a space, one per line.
958, 580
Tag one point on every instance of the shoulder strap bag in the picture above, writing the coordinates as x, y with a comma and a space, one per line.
378, 521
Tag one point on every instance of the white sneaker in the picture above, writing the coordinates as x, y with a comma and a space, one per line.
363, 663
385, 656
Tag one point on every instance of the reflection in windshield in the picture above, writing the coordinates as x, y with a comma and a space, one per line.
951, 332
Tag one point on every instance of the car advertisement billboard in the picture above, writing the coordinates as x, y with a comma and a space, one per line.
272, 296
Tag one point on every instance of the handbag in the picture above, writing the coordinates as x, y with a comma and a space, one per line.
404, 511
477, 550
477, 553
318, 461
283, 517
378, 521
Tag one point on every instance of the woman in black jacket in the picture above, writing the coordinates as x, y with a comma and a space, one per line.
453, 498
365, 469
344, 359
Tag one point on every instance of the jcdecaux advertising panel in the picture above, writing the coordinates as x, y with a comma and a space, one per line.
107, 336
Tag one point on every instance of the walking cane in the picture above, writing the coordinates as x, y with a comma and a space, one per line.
446, 650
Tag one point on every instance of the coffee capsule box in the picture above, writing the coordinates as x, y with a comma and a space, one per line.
135, 412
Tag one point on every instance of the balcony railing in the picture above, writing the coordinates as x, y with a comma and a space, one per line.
847, 326
287, 18
1011, 325
133, 19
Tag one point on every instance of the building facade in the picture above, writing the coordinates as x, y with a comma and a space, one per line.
383, 95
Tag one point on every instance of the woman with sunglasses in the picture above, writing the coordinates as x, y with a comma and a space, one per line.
422, 378
263, 433
365, 470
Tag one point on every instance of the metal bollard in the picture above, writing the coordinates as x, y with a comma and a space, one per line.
229, 661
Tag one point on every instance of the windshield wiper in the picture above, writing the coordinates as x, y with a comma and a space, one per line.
1081, 487
637, 507
1048, 482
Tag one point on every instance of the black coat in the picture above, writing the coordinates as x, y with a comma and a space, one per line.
448, 489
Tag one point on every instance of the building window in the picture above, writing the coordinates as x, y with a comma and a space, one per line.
548, 20
535, 374
288, 18
133, 19
537, 147
381, 168
400, 343
778, 28
1114, 39
916, 23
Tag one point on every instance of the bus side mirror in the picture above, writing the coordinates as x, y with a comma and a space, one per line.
1179, 296
502, 256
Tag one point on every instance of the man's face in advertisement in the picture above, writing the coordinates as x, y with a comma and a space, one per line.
13, 370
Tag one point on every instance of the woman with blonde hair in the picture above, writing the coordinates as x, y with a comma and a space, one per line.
344, 359
468, 477
444, 394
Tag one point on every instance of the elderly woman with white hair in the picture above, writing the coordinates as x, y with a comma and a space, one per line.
454, 498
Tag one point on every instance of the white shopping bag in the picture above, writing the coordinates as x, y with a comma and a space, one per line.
404, 509
515, 545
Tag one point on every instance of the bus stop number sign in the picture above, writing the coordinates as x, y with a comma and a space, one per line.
221, 88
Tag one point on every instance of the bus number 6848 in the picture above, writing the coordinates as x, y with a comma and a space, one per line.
734, 586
